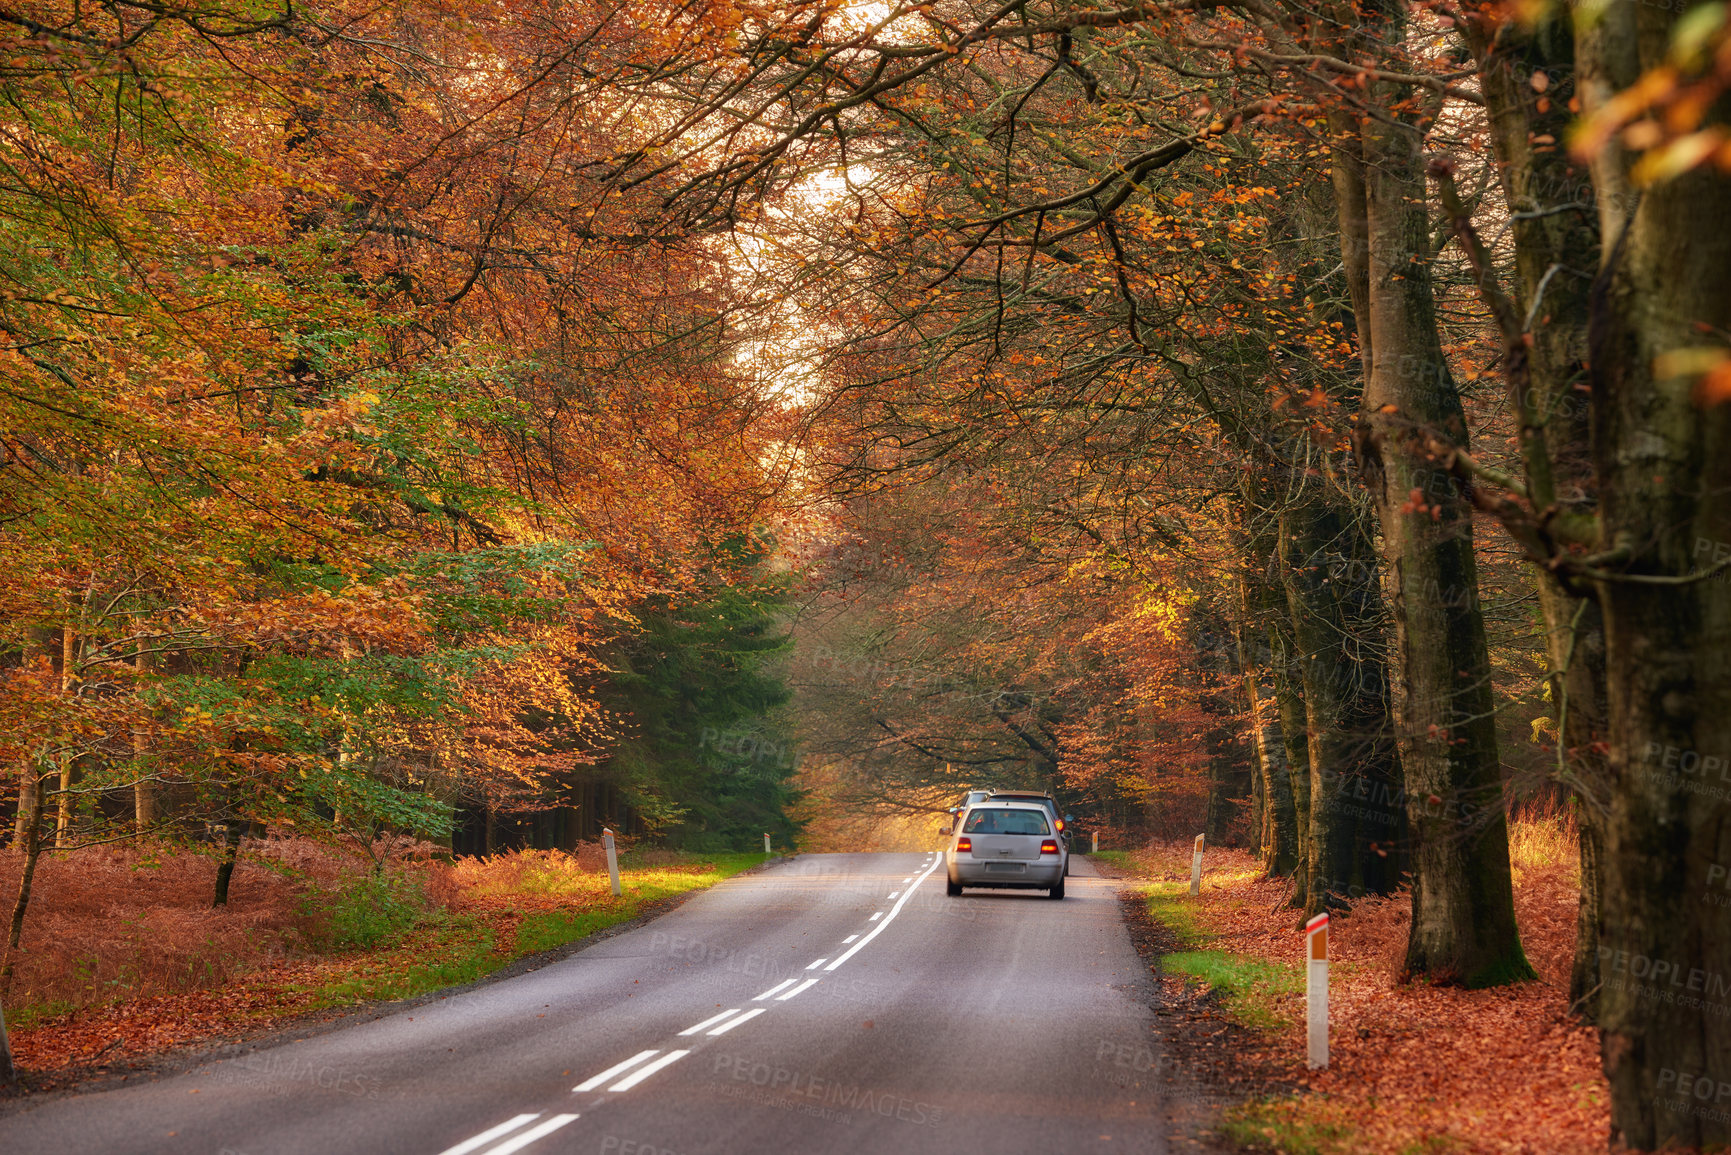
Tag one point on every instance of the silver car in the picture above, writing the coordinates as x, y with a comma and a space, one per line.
1006, 844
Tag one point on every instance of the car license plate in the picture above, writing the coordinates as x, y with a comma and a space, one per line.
1005, 867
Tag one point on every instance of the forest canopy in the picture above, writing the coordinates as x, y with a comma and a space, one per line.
1305, 424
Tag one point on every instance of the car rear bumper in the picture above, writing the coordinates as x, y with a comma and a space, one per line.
1039, 875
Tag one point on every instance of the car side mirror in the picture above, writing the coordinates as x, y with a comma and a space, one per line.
946, 831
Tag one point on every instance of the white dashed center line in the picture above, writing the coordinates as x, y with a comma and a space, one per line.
518, 1142
878, 929
591, 1084
709, 1022
489, 1135
645, 1064
636, 1077
746, 1017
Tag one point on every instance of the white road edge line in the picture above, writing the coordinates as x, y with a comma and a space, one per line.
746, 1017
806, 985
616, 1068
709, 1022
489, 1135
636, 1077
817, 963
876, 930
781, 986
518, 1142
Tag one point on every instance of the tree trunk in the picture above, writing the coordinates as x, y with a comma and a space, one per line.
1228, 783
143, 806
1281, 849
1279, 819
32, 845
1258, 780
1528, 80
1289, 699
143, 789
36, 643
1663, 463
1335, 614
63, 801
1463, 925
225, 869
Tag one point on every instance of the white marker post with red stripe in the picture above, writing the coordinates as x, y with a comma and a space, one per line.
1316, 988
1196, 868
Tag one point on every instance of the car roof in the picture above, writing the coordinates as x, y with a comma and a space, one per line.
1006, 803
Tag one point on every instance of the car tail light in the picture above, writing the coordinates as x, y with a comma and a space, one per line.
964, 844
1060, 826
1050, 846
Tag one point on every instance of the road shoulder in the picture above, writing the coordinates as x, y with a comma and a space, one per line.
1209, 1062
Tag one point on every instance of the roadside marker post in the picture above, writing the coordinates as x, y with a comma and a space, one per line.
1316, 989
612, 859
1096, 849
766, 846
1196, 868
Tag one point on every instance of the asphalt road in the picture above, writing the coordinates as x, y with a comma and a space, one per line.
833, 1003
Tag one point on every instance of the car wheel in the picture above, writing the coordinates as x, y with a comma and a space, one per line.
1057, 891
952, 888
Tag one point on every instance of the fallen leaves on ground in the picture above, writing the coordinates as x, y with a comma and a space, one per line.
482, 906
1413, 1066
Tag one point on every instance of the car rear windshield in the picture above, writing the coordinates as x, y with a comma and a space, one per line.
1006, 822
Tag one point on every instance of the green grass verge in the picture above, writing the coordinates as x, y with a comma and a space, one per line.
1287, 1126
665, 879
1170, 904
23, 1016
448, 950
555, 928
1249, 987
445, 951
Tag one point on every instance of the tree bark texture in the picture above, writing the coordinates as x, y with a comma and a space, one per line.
1356, 818
225, 868
1279, 818
1463, 925
1528, 81
32, 846
1662, 458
